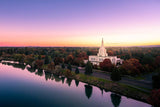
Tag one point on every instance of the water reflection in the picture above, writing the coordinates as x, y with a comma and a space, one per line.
77, 83
15, 65
116, 99
63, 78
88, 91
47, 76
101, 90
31, 69
69, 80
39, 72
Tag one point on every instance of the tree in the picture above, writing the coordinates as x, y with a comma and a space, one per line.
39, 57
51, 66
77, 70
70, 59
156, 81
157, 61
39, 64
29, 59
63, 66
46, 60
154, 98
106, 65
58, 60
132, 66
69, 67
115, 74
88, 68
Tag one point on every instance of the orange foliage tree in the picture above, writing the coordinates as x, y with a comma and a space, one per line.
154, 98
132, 66
106, 65
39, 63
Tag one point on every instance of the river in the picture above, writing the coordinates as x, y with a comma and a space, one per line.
24, 87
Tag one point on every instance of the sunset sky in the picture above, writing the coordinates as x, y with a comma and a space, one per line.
79, 22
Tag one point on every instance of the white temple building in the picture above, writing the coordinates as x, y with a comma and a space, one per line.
102, 55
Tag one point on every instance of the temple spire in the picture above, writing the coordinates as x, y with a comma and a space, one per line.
102, 43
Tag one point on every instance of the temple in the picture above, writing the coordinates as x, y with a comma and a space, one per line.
102, 55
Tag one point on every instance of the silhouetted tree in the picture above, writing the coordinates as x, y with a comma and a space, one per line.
69, 67
88, 68
115, 74
46, 60
77, 70
88, 90
63, 66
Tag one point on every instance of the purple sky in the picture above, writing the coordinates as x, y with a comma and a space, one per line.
79, 22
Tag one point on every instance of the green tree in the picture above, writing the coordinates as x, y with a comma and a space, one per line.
115, 74
39, 57
46, 60
63, 66
69, 67
77, 70
88, 68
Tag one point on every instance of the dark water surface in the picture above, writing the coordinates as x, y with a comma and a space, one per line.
24, 87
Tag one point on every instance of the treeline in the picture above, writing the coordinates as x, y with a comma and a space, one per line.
137, 60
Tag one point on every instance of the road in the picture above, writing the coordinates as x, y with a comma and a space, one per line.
125, 80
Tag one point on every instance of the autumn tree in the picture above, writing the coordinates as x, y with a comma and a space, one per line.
106, 65
39, 64
51, 66
132, 66
70, 59
29, 59
157, 61
154, 98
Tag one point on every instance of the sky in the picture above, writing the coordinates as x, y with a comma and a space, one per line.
79, 23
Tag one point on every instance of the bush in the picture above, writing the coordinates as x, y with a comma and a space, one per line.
77, 71
116, 75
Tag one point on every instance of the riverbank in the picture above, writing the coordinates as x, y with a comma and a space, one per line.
112, 86
105, 84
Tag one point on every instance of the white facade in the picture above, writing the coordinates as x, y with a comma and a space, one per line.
102, 55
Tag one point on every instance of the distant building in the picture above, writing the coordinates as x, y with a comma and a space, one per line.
102, 55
